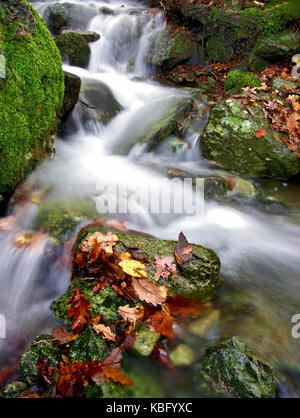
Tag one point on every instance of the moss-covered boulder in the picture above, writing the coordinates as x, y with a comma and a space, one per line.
236, 80
102, 105
230, 140
145, 340
90, 36
273, 48
60, 16
171, 48
88, 346
72, 89
196, 279
218, 49
31, 94
74, 49
59, 217
42, 347
230, 368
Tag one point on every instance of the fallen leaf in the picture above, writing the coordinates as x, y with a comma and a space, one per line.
260, 133
63, 335
106, 331
134, 268
149, 292
116, 375
79, 310
163, 324
184, 307
131, 314
164, 267
183, 250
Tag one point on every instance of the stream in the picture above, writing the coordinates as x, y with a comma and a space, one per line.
259, 250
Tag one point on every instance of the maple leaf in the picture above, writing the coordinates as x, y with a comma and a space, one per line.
79, 310
63, 335
184, 307
149, 292
164, 267
183, 250
134, 268
116, 375
106, 331
163, 324
131, 314
260, 133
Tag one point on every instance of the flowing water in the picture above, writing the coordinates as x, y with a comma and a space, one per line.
259, 251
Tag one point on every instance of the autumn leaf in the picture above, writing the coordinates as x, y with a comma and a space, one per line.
149, 292
79, 310
184, 307
163, 324
63, 335
134, 268
293, 99
260, 133
99, 286
98, 242
164, 267
183, 250
116, 375
106, 331
131, 314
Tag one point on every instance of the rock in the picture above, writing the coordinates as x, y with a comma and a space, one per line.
230, 368
229, 140
90, 36
279, 83
74, 49
183, 355
236, 80
155, 122
215, 188
145, 341
31, 95
273, 48
195, 279
202, 325
217, 49
88, 346
172, 48
72, 89
60, 16
14, 389
99, 96
28, 368
59, 217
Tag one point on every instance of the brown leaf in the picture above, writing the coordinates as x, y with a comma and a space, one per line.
106, 331
164, 267
183, 250
63, 335
260, 133
148, 292
79, 310
163, 324
131, 314
184, 307
116, 375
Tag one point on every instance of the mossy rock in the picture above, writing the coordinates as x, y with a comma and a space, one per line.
74, 49
98, 95
217, 49
88, 346
60, 16
172, 48
104, 390
72, 89
59, 217
236, 80
13, 389
105, 303
145, 341
49, 350
31, 94
230, 140
280, 84
230, 368
195, 279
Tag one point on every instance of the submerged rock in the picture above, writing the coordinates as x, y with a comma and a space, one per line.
172, 48
74, 49
100, 103
230, 368
60, 16
229, 139
90, 36
31, 94
145, 341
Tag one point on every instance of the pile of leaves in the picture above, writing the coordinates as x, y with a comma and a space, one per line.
145, 302
281, 107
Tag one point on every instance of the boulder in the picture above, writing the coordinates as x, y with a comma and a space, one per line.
31, 94
72, 89
273, 48
60, 16
172, 48
74, 49
102, 105
229, 368
229, 140
90, 36
88, 346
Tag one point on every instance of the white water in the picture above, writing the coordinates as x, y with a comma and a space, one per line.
259, 252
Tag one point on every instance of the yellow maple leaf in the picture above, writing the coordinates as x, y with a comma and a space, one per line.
134, 268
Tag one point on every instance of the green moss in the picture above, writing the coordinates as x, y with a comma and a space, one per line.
31, 97
88, 346
60, 217
145, 340
236, 80
74, 49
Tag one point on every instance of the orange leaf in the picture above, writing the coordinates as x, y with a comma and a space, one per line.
183, 250
163, 324
79, 310
131, 314
260, 133
116, 375
149, 292
106, 331
184, 307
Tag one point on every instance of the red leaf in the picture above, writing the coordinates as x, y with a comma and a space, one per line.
260, 133
163, 324
79, 310
183, 250
184, 307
